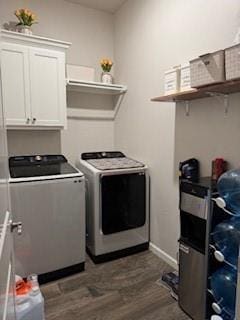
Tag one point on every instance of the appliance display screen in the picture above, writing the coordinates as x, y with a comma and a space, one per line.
41, 170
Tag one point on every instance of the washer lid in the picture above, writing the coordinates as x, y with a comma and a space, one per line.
41, 166
115, 163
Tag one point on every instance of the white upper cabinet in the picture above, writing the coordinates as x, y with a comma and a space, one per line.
48, 91
33, 81
15, 82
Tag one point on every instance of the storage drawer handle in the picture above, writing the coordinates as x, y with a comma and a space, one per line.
204, 55
201, 64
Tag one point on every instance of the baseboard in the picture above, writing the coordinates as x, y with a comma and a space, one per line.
61, 273
163, 255
118, 254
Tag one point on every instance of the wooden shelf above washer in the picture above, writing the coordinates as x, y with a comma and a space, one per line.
224, 88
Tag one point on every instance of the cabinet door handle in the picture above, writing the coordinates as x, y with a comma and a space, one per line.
17, 226
34, 120
28, 120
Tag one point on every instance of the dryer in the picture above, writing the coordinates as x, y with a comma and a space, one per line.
117, 205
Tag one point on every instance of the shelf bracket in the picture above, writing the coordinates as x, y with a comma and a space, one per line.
118, 103
226, 104
187, 108
223, 96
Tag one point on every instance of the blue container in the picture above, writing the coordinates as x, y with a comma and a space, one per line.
223, 286
226, 236
229, 189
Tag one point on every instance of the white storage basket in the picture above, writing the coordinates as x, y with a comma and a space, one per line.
207, 69
232, 62
75, 72
185, 79
172, 81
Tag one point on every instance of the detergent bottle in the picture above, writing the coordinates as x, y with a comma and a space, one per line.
29, 299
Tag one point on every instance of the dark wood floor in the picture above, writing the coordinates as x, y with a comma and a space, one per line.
123, 289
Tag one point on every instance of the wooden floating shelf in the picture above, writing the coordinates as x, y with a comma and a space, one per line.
95, 87
224, 88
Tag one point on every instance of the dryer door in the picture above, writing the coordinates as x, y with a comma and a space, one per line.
123, 202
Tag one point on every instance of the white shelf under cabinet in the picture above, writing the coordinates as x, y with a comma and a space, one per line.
100, 88
95, 87
86, 114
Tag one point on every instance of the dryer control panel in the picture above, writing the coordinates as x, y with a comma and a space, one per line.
102, 155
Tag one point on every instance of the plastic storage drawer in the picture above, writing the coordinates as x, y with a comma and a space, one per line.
232, 60
207, 69
185, 80
172, 81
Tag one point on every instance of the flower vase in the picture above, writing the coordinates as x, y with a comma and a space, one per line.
26, 30
107, 78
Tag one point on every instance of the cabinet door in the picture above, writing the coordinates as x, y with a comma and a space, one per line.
48, 87
7, 283
15, 84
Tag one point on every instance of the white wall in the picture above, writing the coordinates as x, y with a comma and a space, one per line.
150, 37
208, 132
91, 135
91, 34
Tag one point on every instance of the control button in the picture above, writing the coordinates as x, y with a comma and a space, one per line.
104, 154
38, 158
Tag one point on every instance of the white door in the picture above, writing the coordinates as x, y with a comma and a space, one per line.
7, 311
48, 87
15, 84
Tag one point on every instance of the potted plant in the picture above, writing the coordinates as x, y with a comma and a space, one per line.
26, 20
106, 65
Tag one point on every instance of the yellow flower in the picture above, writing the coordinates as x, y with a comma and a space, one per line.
106, 64
17, 12
27, 12
33, 16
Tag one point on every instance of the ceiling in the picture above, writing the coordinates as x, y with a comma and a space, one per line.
110, 6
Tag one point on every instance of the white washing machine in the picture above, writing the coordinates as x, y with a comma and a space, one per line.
117, 206
48, 197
